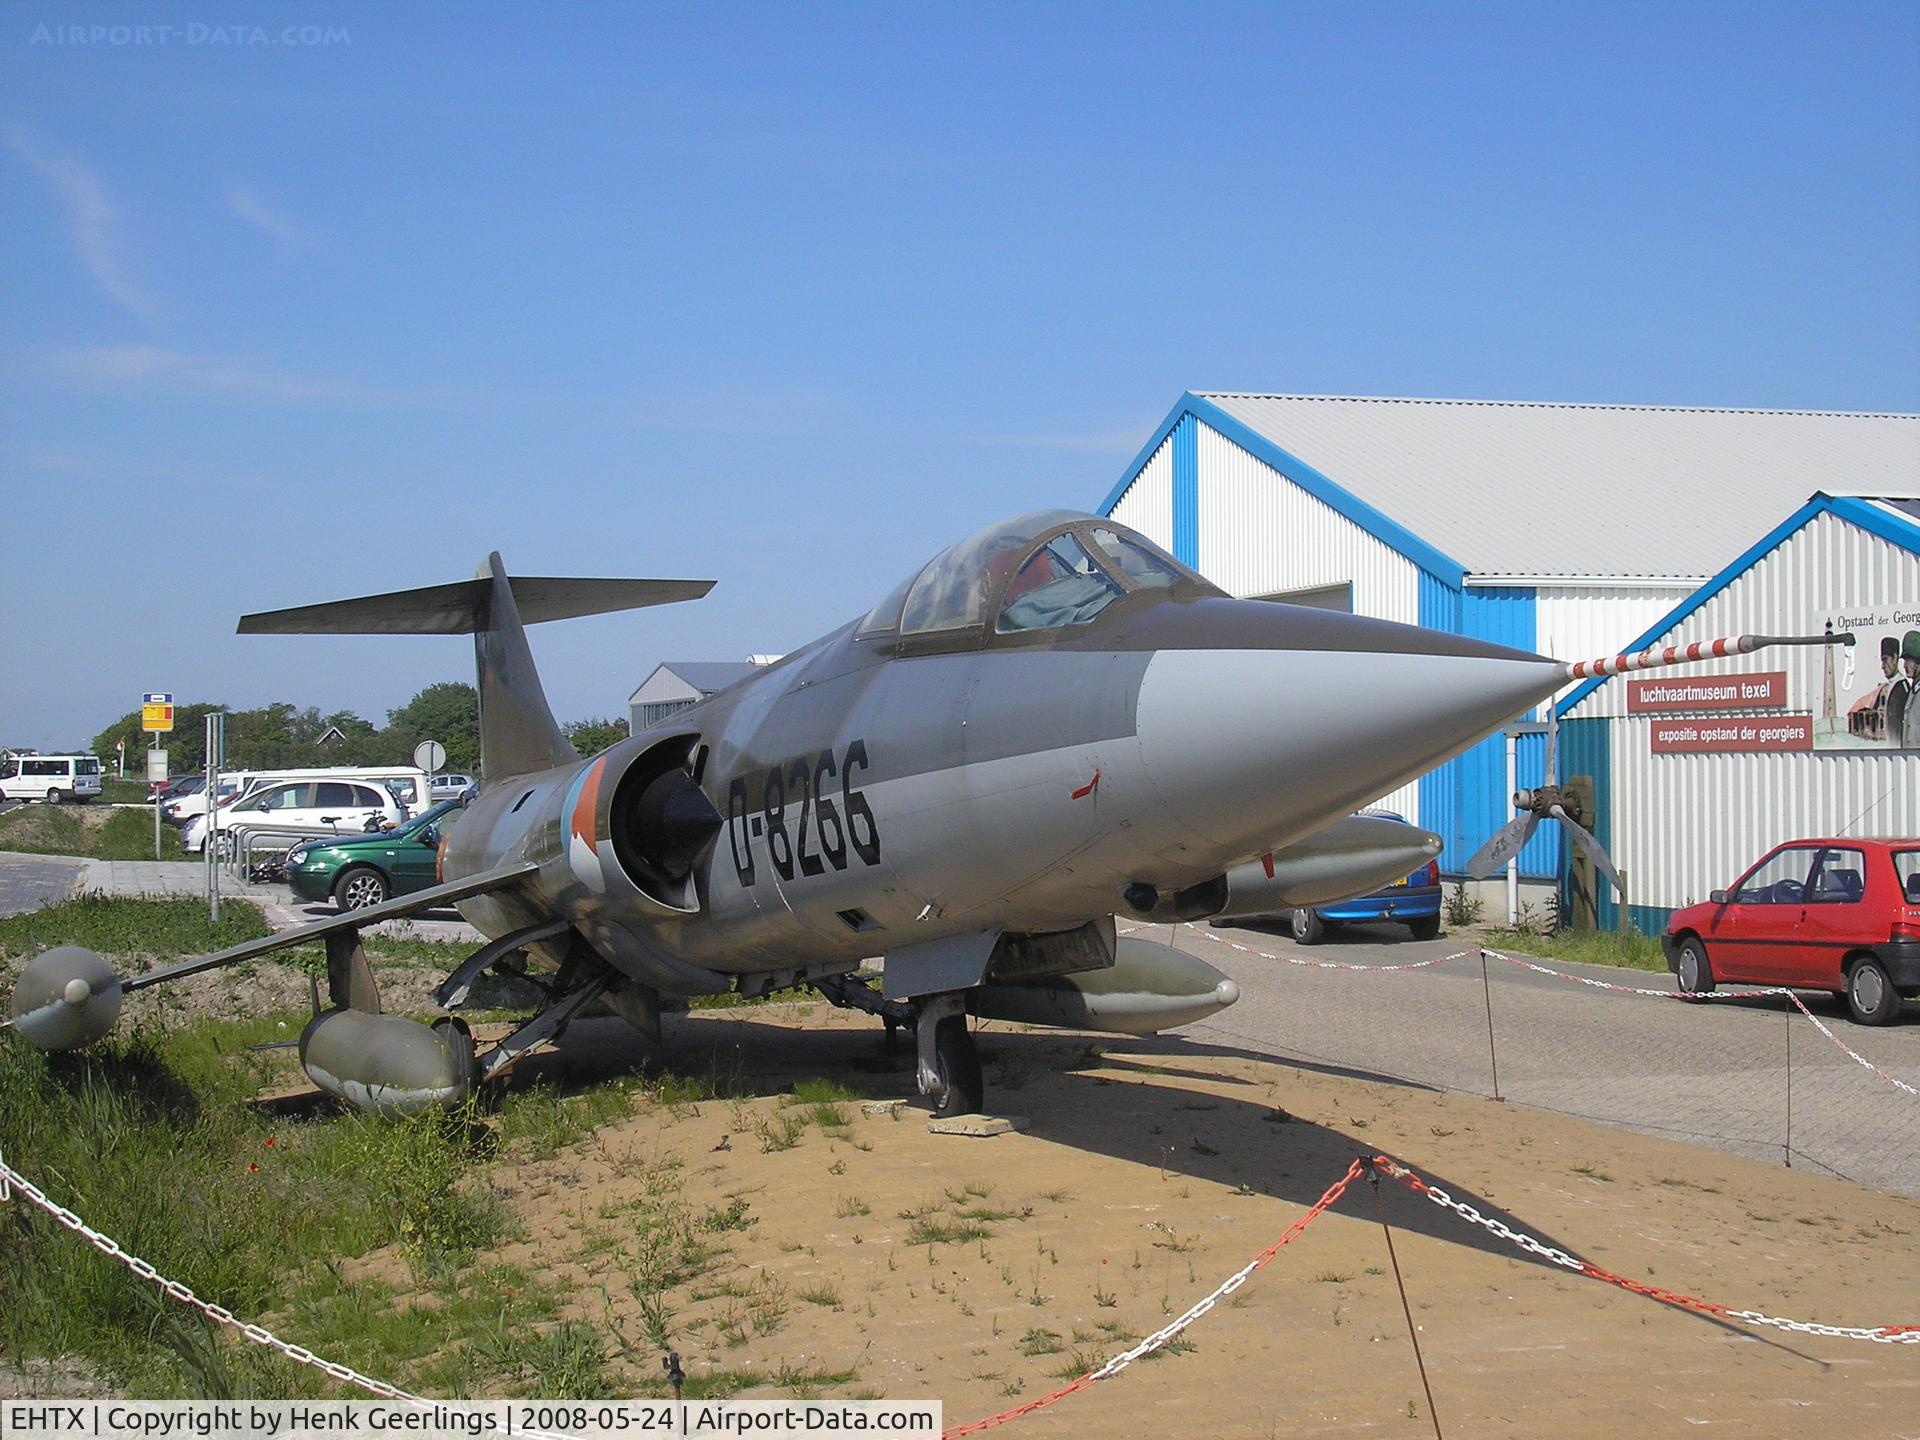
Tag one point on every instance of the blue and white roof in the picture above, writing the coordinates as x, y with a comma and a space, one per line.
1525, 491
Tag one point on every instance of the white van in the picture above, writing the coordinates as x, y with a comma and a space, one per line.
52, 778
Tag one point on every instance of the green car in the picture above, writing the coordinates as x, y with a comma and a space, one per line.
365, 870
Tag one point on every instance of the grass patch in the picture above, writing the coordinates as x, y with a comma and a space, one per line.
70, 830
934, 1230
148, 1138
118, 925
1628, 949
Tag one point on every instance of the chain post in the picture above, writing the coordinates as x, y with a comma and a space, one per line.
1380, 1201
1486, 989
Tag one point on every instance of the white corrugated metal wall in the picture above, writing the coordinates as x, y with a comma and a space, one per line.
1584, 622
1148, 504
1261, 533
1685, 825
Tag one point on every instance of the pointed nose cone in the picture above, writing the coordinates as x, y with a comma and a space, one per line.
1293, 718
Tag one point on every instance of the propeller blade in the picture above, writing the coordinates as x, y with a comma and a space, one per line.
1553, 745
1594, 851
1505, 843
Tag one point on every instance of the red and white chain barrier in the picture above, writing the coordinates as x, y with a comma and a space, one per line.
1760, 993
1302, 960
1166, 1333
1711, 995
11, 1179
1879, 1334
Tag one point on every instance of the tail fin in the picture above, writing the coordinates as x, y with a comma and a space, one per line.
518, 734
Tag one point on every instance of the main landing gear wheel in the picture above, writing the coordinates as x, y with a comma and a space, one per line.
956, 1061
1871, 998
1694, 973
948, 1071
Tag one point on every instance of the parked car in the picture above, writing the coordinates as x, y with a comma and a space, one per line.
1413, 901
451, 786
365, 870
1836, 915
339, 807
192, 800
52, 778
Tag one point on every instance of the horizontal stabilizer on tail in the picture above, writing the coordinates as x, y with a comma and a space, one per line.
466, 606
518, 734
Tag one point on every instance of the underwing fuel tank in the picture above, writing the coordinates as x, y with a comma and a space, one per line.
1148, 987
386, 1064
1350, 857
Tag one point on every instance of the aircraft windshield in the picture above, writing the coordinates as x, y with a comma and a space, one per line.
953, 591
1061, 584
1147, 568
1067, 580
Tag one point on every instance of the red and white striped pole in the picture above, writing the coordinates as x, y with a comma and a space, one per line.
1724, 648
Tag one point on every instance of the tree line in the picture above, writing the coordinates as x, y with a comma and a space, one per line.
283, 736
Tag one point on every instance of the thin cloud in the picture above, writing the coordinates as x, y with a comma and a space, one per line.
92, 220
239, 377
250, 206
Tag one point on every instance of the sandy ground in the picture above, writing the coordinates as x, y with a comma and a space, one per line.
1154, 1169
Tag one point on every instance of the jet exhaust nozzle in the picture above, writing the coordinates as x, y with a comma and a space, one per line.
1149, 987
389, 1065
66, 998
676, 820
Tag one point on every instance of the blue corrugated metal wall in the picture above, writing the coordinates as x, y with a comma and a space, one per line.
1468, 798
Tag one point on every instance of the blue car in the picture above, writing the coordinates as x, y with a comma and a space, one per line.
1413, 902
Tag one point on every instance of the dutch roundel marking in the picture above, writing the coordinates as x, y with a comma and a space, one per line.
807, 830
577, 813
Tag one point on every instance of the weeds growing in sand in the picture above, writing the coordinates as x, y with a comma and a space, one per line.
847, 1207
778, 1132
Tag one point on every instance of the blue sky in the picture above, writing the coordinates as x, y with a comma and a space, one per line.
789, 296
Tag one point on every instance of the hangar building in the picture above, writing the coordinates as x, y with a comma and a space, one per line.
1560, 528
676, 684
1698, 771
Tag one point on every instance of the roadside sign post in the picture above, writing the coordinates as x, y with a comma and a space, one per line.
156, 779
210, 852
156, 718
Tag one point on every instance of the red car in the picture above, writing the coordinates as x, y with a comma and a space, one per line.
1838, 915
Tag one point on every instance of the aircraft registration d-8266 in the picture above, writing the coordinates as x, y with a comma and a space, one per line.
1051, 723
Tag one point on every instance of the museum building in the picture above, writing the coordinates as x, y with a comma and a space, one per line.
1574, 531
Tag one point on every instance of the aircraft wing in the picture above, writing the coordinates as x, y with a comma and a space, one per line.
394, 909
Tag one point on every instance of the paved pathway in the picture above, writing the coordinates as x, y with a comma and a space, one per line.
1710, 1074
29, 882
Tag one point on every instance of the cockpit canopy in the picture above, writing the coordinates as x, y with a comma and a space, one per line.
1039, 571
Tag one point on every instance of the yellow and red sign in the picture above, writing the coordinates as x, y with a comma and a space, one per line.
156, 713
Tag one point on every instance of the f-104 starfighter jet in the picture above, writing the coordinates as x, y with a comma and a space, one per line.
1051, 724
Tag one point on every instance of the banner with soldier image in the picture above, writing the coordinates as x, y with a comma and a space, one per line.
1870, 696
